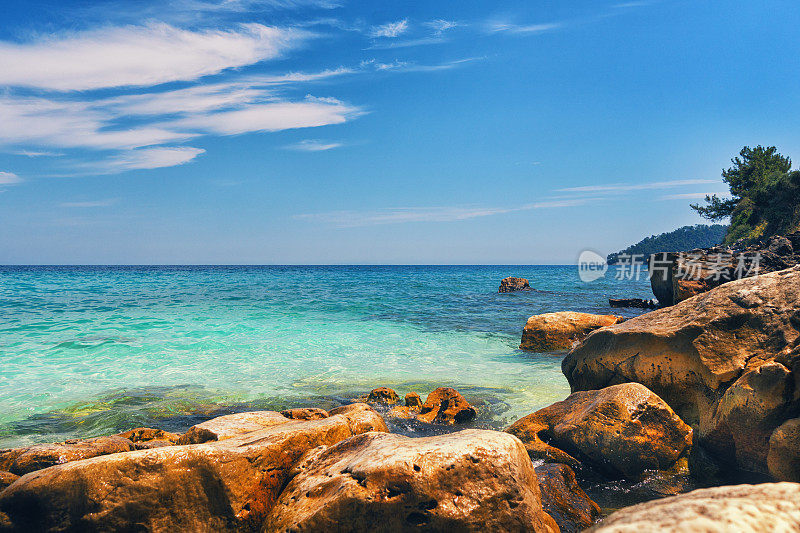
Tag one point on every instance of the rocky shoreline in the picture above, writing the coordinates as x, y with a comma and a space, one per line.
705, 390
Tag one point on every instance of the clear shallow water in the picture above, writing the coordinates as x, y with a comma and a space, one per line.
94, 350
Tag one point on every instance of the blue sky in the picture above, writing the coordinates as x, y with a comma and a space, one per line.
320, 131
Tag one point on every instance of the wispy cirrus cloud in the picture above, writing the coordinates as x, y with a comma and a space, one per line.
691, 195
507, 27
143, 158
9, 178
440, 26
313, 145
108, 202
623, 187
138, 55
401, 215
389, 30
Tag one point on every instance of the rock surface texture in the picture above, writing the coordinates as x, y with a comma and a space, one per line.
726, 361
472, 480
769, 507
512, 284
225, 485
564, 500
227, 426
561, 330
20, 461
622, 430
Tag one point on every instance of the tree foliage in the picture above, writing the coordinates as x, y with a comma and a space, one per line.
685, 238
765, 196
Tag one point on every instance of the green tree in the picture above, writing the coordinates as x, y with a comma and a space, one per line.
765, 195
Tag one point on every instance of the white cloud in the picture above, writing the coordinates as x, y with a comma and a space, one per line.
138, 55
391, 29
313, 145
399, 215
9, 178
622, 187
93, 203
144, 158
440, 26
691, 195
496, 27
34, 153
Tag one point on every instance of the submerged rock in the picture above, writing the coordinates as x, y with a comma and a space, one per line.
383, 395
561, 330
20, 461
306, 413
472, 480
704, 358
741, 508
512, 284
225, 485
227, 426
564, 500
445, 405
623, 430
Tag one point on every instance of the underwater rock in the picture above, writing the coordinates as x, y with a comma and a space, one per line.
741, 508
306, 413
225, 485
512, 284
472, 480
703, 358
445, 405
564, 500
20, 461
561, 330
227, 426
622, 430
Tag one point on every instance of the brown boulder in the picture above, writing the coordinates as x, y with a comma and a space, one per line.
741, 508
307, 413
473, 480
512, 284
6, 479
227, 426
564, 499
561, 330
20, 461
623, 429
783, 458
413, 401
445, 405
701, 356
383, 395
226, 485
362, 417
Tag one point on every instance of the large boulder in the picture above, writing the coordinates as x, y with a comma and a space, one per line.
20, 461
622, 430
225, 485
513, 284
741, 508
564, 499
561, 330
227, 426
726, 361
445, 405
472, 480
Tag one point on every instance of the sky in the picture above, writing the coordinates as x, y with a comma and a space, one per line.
344, 132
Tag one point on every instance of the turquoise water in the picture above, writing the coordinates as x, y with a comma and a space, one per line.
93, 350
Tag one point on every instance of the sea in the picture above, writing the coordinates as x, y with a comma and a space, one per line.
95, 350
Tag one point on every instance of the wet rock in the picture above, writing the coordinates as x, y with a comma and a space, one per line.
146, 438
702, 357
307, 413
741, 508
561, 330
6, 479
472, 480
622, 430
227, 426
783, 459
512, 284
220, 486
413, 401
20, 461
564, 499
445, 405
383, 395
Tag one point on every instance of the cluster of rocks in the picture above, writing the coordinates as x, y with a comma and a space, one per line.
676, 276
444, 405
